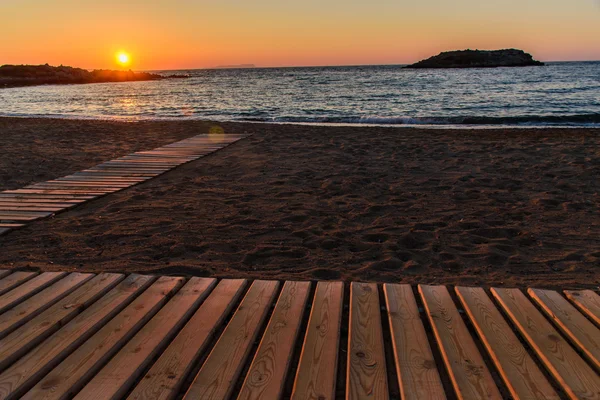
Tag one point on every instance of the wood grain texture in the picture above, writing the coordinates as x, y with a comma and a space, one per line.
469, 374
587, 301
518, 370
28, 289
267, 373
20, 341
167, 375
366, 376
66, 379
120, 374
4, 272
576, 378
571, 322
222, 368
415, 366
15, 279
23, 312
317, 369
30, 368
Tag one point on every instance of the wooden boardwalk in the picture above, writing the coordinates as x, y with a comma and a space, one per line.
42, 200
112, 336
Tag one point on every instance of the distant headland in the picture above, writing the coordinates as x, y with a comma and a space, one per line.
30, 75
478, 59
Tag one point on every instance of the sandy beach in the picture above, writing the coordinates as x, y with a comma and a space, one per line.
472, 207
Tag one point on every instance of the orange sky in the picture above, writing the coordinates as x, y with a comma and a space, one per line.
182, 34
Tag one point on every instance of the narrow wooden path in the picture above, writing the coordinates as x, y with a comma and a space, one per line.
112, 336
41, 200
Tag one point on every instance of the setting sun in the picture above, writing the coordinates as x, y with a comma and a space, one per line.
123, 58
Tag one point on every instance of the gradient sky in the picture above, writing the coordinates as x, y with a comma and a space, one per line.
161, 34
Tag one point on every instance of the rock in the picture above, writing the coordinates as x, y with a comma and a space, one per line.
28, 75
478, 59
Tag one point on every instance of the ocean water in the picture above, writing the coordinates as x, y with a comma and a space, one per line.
558, 94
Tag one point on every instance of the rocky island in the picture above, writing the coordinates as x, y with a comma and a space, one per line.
29, 75
478, 59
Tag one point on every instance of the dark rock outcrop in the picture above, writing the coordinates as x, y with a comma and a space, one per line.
29, 75
478, 59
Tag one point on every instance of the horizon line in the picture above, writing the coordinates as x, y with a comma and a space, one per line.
254, 66
321, 66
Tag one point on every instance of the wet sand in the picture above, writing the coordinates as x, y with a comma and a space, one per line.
471, 207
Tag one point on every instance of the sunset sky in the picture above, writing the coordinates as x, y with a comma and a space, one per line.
179, 34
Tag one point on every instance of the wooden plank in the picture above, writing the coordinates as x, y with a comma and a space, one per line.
15, 279
366, 376
167, 375
25, 372
4, 272
469, 374
415, 366
66, 379
20, 314
266, 376
42, 209
131, 168
40, 196
65, 189
57, 192
224, 364
20, 341
587, 301
94, 185
28, 289
92, 191
175, 154
143, 163
119, 375
118, 172
70, 183
576, 378
14, 217
24, 214
146, 163
38, 200
26, 205
127, 168
83, 185
157, 158
101, 179
518, 370
11, 225
317, 369
571, 322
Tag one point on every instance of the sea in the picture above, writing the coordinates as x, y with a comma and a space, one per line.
558, 94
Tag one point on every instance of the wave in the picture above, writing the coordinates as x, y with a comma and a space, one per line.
528, 120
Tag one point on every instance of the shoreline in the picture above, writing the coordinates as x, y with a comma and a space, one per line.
126, 119
467, 207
